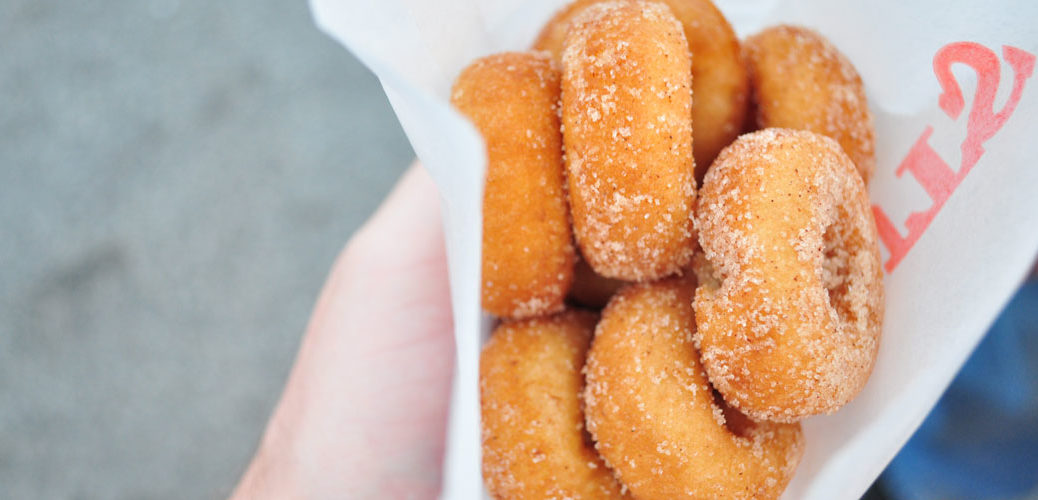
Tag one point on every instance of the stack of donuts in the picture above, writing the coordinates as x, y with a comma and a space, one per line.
657, 339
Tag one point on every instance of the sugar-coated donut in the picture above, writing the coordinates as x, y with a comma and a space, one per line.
655, 418
789, 323
627, 129
801, 81
720, 87
534, 442
513, 99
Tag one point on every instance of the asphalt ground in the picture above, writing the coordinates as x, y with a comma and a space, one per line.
176, 178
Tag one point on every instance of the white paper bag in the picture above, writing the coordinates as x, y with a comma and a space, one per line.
955, 190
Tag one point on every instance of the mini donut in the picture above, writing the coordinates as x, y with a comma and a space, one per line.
590, 289
627, 129
528, 254
534, 442
801, 81
720, 87
789, 322
655, 418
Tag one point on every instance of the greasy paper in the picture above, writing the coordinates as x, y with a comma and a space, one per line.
950, 84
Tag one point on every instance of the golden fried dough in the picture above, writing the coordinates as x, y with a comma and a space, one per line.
801, 81
528, 254
790, 318
626, 112
534, 442
655, 418
720, 88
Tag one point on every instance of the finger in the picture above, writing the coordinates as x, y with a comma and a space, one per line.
376, 360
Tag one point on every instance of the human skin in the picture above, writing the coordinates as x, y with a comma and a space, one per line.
364, 411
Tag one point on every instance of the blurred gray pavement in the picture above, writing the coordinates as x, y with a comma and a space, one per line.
176, 178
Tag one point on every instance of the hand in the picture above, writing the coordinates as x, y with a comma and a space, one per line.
364, 412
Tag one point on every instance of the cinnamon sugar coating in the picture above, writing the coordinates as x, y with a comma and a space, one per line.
528, 255
801, 81
790, 315
534, 443
627, 129
653, 413
720, 86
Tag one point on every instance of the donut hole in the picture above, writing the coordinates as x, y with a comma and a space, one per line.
736, 423
836, 269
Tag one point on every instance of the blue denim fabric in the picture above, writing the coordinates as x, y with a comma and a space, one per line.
981, 440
